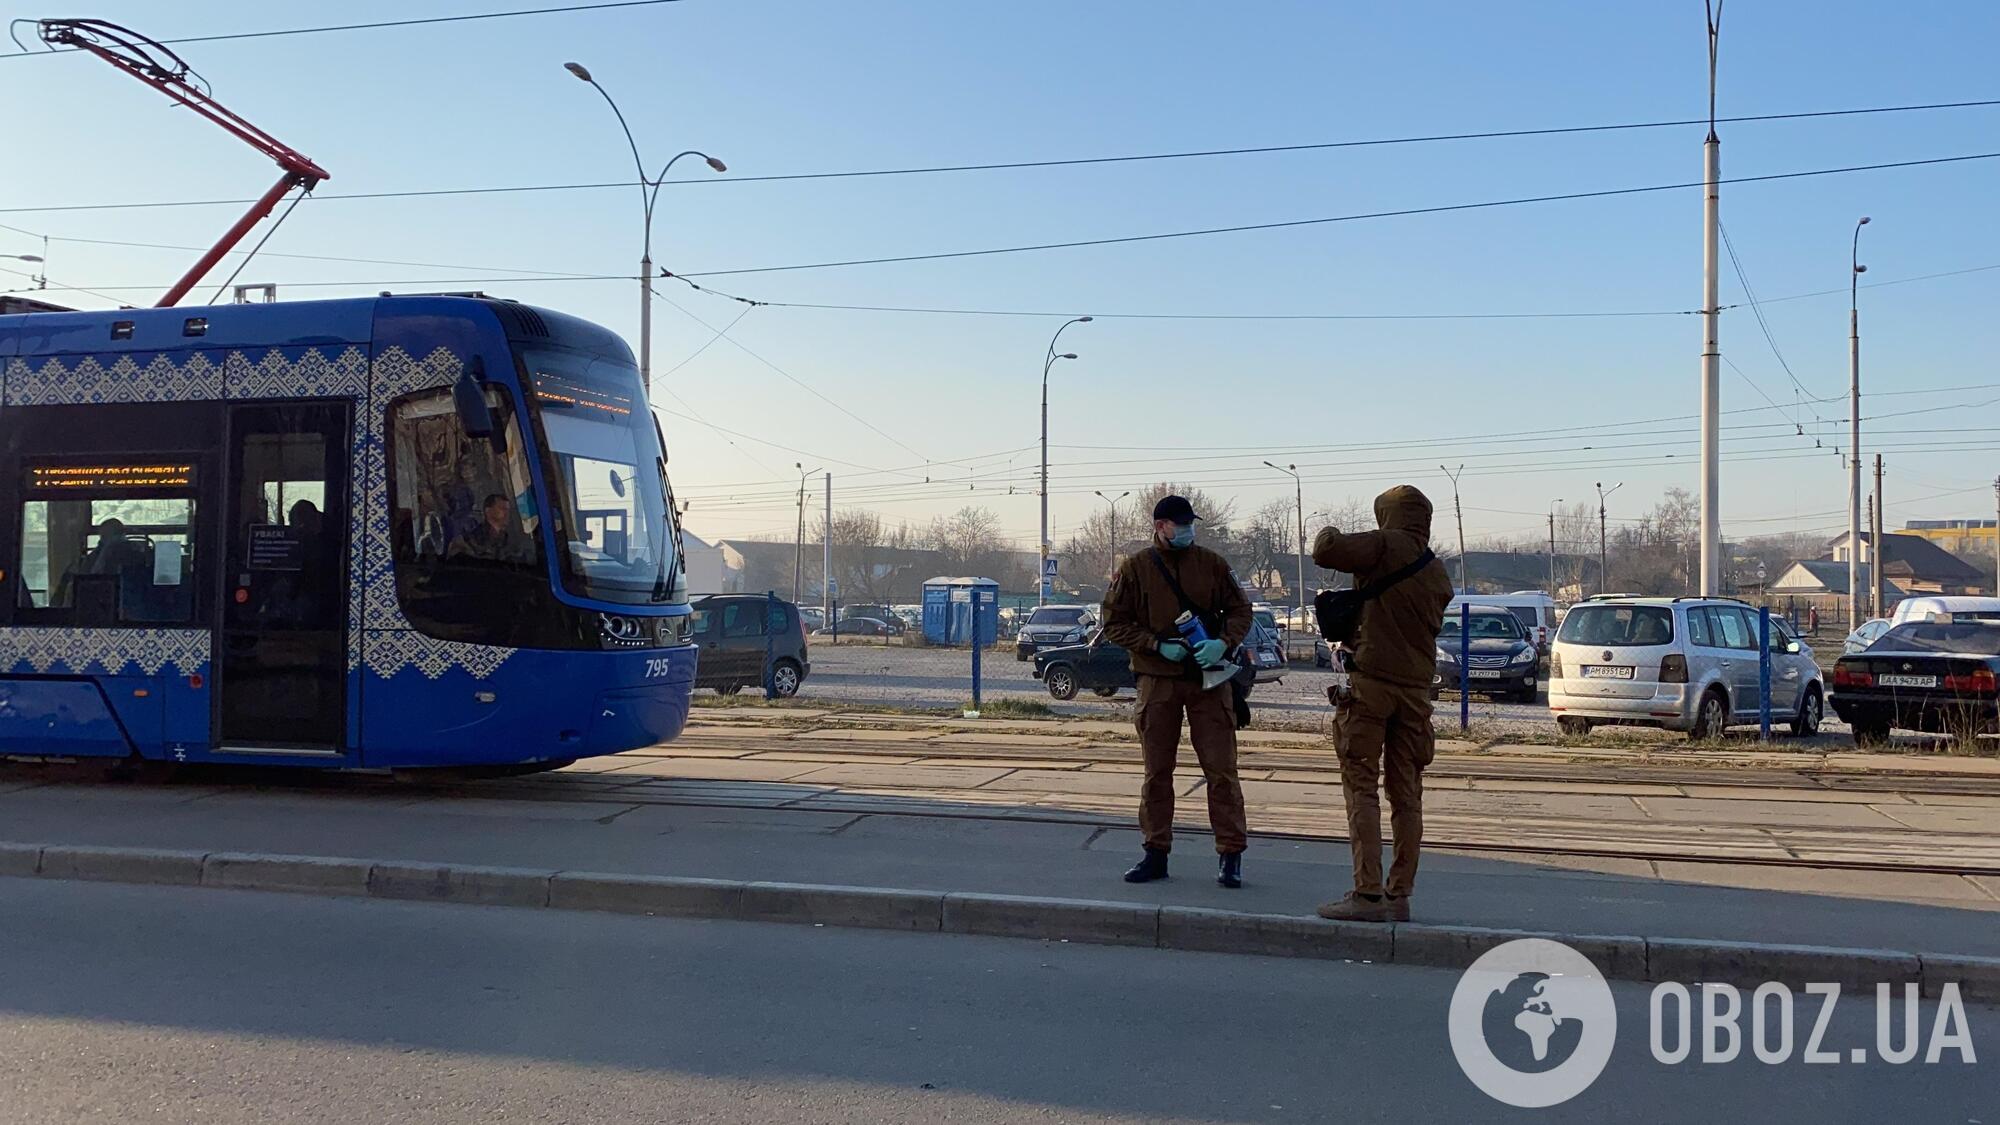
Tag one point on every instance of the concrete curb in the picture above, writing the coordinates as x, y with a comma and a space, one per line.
1618, 957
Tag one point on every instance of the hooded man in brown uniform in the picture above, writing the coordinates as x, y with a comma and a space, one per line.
1139, 614
1385, 731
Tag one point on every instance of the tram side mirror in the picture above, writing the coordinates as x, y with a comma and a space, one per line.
617, 485
474, 416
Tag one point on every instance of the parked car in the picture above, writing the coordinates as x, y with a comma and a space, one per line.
1685, 664
749, 640
812, 615
1053, 625
880, 613
861, 627
1940, 675
1867, 634
1098, 665
1501, 659
910, 616
1535, 610
1961, 608
1265, 651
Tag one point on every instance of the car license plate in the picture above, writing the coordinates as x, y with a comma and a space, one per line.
1907, 681
1607, 671
1488, 674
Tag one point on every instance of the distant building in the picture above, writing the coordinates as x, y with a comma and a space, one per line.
704, 564
1968, 539
1915, 564
1826, 579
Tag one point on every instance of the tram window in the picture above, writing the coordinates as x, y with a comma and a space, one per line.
465, 526
108, 560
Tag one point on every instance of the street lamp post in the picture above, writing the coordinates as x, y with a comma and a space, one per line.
649, 192
1603, 551
42, 280
1299, 492
1113, 501
799, 540
1711, 331
1042, 577
1855, 270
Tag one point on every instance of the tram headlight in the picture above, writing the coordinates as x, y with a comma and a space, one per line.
622, 631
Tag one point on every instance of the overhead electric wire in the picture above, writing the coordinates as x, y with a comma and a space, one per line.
1240, 228
372, 25
419, 193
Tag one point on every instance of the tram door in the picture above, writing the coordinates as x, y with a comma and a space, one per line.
282, 660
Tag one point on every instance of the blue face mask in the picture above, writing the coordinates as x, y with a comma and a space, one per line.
1183, 535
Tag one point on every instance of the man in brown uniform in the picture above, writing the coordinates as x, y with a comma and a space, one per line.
1388, 723
1139, 613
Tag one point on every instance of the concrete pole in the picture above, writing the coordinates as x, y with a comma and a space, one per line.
1881, 519
1552, 547
1874, 550
1854, 427
1711, 333
1042, 582
1460, 512
1996, 535
1300, 488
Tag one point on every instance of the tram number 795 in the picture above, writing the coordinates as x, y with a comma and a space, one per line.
657, 666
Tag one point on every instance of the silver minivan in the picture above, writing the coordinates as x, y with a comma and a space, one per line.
1685, 664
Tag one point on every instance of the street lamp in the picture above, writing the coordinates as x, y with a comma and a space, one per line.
649, 191
799, 540
1299, 489
1854, 429
1048, 361
1113, 501
1603, 554
41, 280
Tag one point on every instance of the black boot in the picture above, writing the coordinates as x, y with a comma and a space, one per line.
1229, 872
1153, 866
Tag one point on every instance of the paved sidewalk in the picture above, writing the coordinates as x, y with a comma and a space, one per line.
736, 836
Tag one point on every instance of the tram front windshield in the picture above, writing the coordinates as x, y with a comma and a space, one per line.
608, 474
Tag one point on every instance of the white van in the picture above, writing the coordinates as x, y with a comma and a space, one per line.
1962, 607
1535, 610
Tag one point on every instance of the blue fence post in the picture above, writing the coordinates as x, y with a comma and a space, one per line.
1764, 673
1464, 666
976, 645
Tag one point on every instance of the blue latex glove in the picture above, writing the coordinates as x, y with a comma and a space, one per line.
1208, 653
1174, 651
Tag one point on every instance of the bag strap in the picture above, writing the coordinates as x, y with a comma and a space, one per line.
1187, 606
1376, 588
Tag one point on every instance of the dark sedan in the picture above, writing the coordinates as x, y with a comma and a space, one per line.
861, 627
1502, 658
1096, 665
1938, 676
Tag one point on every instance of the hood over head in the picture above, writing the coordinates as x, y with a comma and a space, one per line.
1404, 508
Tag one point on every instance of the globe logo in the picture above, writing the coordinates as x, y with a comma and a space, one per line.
1532, 1023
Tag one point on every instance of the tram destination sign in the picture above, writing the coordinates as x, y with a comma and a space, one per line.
146, 474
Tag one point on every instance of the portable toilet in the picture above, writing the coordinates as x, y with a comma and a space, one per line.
948, 618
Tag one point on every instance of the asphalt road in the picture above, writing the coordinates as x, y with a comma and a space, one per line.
232, 1008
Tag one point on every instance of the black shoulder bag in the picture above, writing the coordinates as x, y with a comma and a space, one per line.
1339, 611
1239, 684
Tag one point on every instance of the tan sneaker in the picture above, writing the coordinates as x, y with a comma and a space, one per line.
1354, 908
1399, 907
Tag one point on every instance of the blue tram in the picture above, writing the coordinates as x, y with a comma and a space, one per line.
392, 532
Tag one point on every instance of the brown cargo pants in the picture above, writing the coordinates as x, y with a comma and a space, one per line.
1211, 724
1385, 735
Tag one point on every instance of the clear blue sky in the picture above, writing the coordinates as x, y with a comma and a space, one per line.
781, 86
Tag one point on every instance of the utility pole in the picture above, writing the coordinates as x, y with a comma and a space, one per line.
1711, 333
1460, 512
1552, 545
799, 539
826, 564
1876, 545
1874, 551
1996, 535
1603, 552
1854, 426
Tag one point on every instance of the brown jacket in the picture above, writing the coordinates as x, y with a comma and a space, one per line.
1140, 607
1397, 637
